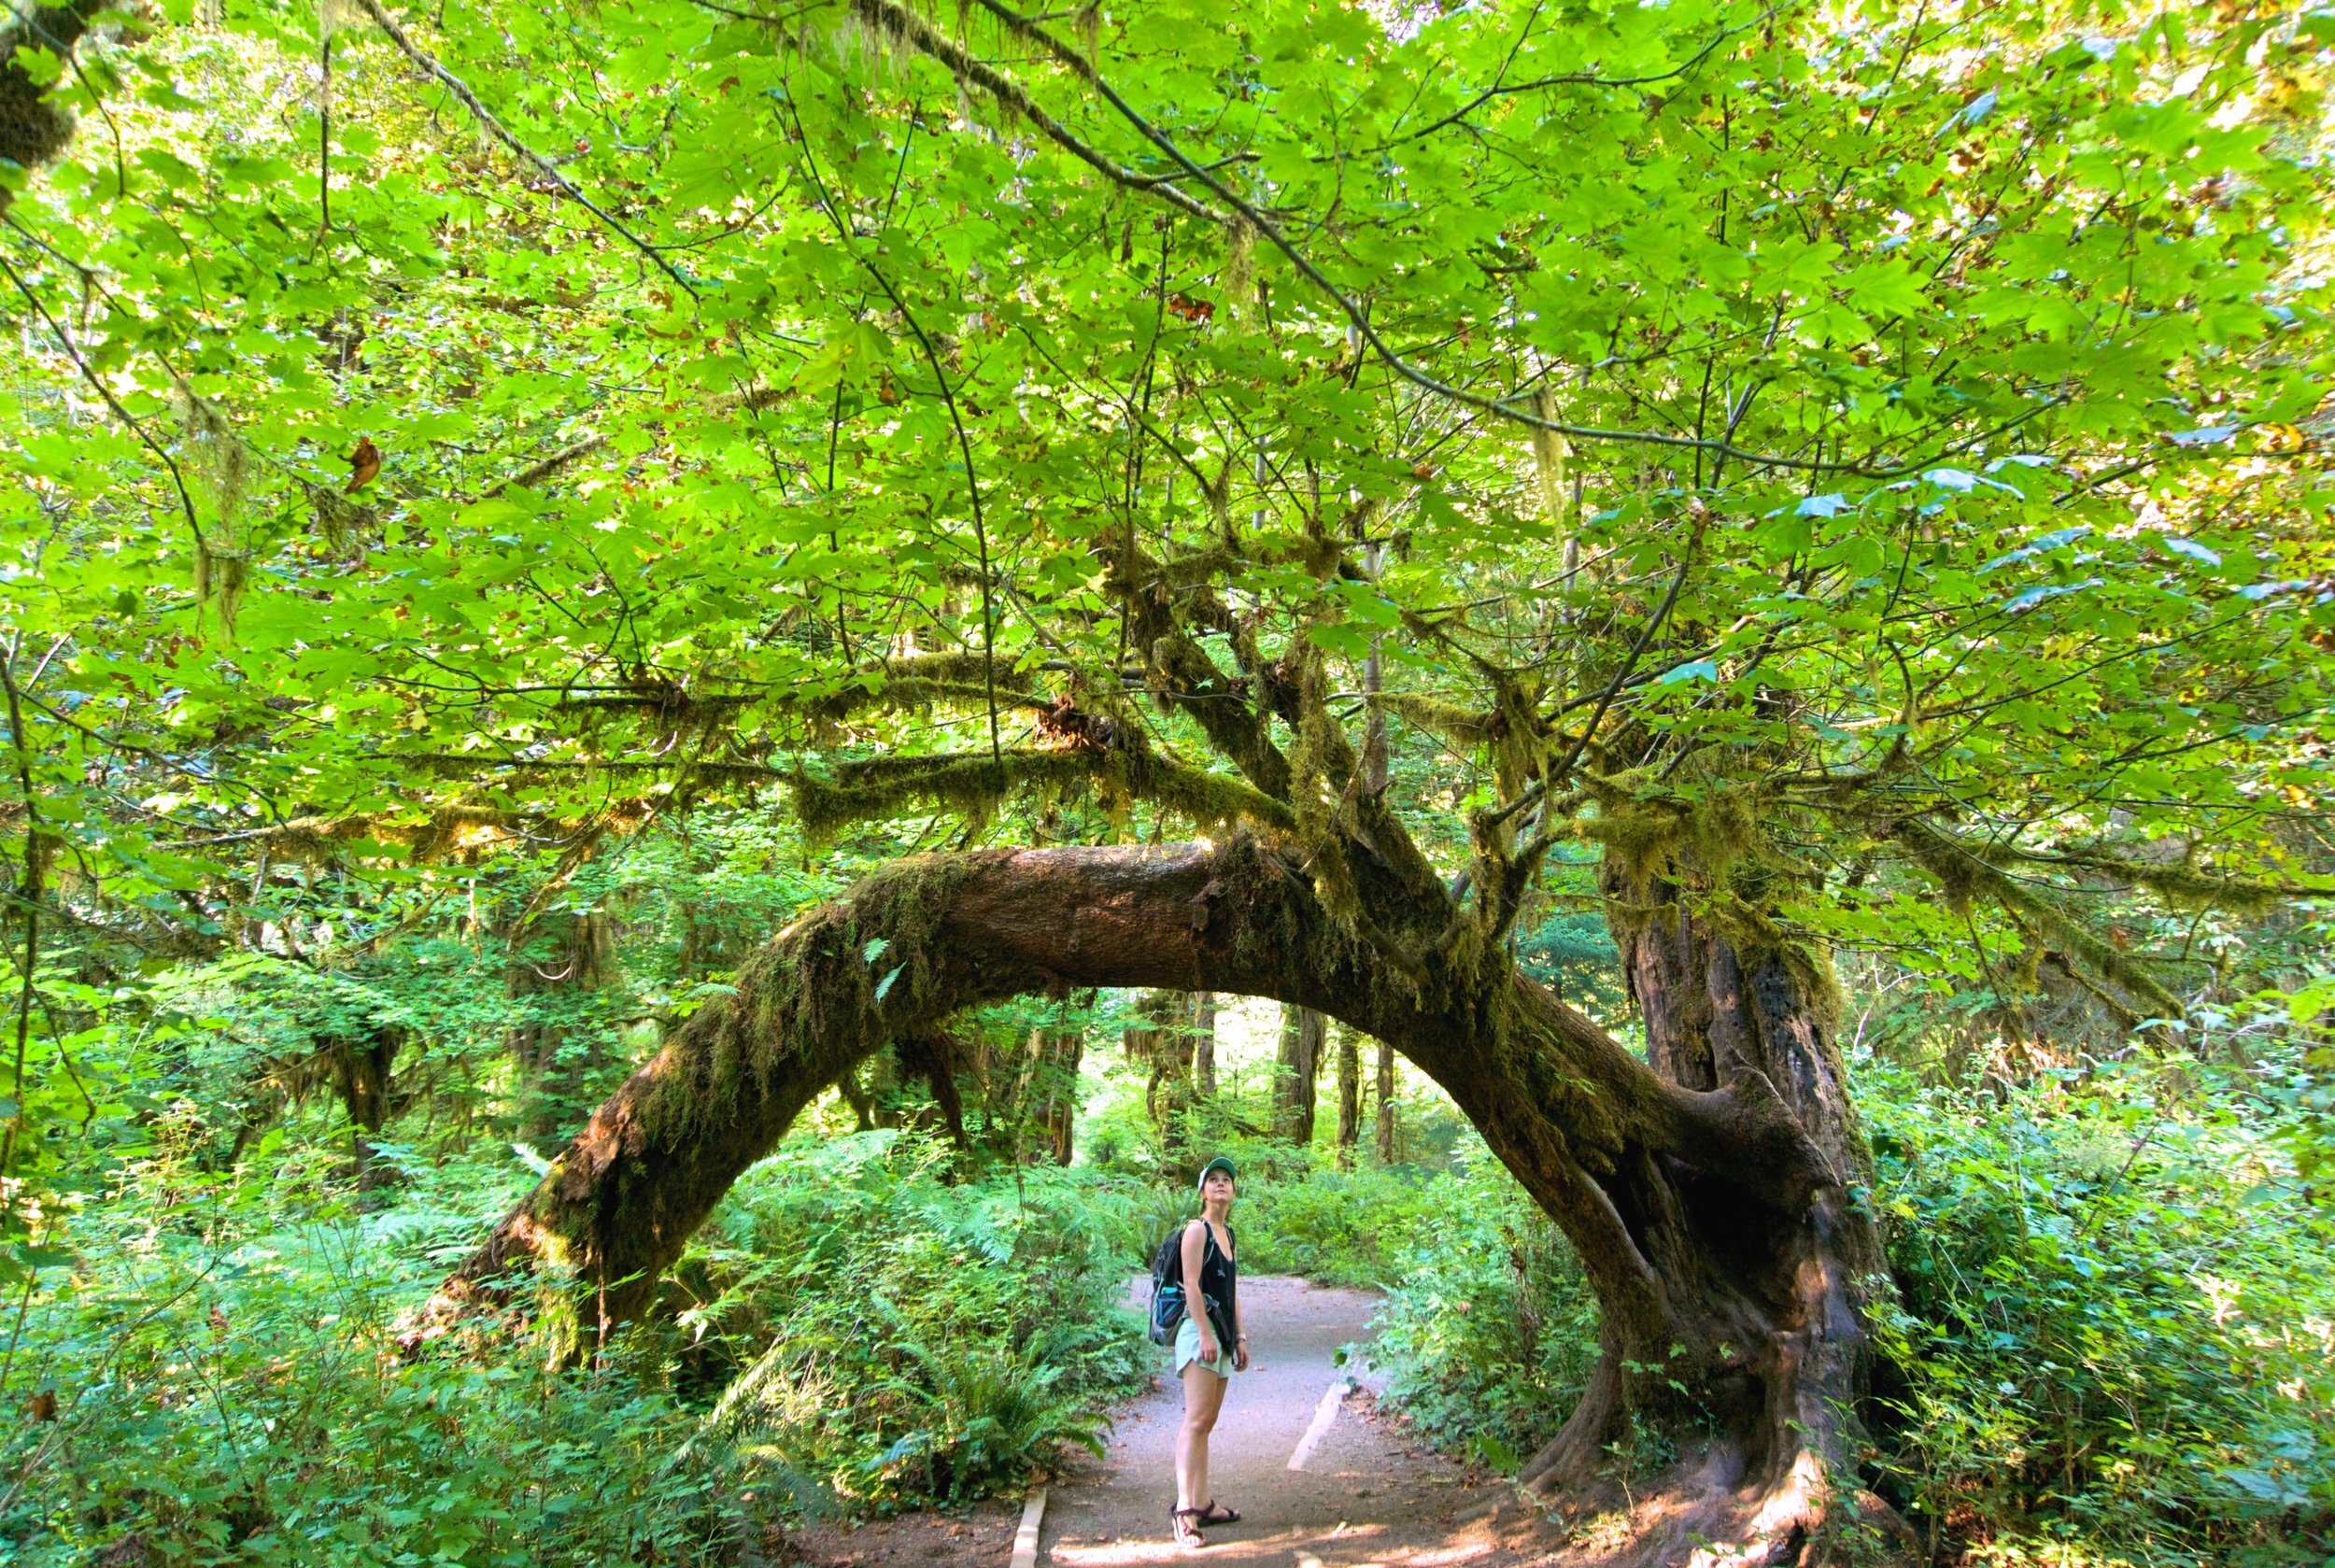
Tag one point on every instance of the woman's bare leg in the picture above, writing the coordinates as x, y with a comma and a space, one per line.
1203, 1397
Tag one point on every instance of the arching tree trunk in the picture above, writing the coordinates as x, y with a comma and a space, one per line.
1711, 1208
1756, 1308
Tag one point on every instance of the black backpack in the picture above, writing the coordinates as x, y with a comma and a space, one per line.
1168, 1305
1167, 1289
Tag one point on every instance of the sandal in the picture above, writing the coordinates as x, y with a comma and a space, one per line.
1214, 1514
1184, 1523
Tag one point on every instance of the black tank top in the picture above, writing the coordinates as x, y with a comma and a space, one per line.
1219, 1283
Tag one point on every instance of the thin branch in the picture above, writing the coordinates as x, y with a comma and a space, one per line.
956, 419
88, 374
430, 67
1578, 78
904, 23
1514, 407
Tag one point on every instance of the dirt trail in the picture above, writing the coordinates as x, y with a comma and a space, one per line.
1364, 1495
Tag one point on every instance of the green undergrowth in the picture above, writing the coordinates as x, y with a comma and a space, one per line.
2115, 1331
888, 1339
1489, 1329
207, 1374
1352, 1227
2113, 1341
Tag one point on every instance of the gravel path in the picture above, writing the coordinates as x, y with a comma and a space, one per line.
1364, 1496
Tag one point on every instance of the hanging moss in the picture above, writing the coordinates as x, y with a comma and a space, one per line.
837, 984
1216, 799
1462, 726
976, 785
970, 785
923, 681
2182, 885
1964, 872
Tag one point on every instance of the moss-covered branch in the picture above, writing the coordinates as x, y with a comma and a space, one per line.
1969, 873
975, 784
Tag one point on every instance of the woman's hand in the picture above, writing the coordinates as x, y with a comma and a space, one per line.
1240, 1354
1208, 1346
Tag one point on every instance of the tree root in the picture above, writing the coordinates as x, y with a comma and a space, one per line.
1709, 1509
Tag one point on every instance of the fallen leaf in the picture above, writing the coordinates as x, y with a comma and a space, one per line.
363, 463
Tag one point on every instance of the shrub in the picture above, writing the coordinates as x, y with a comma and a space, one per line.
2116, 1321
1489, 1329
226, 1385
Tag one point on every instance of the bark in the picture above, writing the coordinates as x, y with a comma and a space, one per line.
1348, 1097
33, 130
1203, 1046
1060, 1051
1755, 1302
1386, 1104
1707, 1194
1298, 1070
361, 1070
1163, 1043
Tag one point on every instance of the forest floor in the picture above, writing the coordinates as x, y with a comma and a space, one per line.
1320, 1478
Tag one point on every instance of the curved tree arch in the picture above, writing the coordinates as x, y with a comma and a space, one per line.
1714, 1217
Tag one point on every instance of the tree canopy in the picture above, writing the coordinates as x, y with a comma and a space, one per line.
1852, 440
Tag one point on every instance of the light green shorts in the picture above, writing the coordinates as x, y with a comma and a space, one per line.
1188, 1350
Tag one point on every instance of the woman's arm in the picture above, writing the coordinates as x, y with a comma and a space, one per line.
1241, 1336
1196, 1304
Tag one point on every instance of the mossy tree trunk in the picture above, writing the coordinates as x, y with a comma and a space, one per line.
1162, 1043
1055, 1058
1711, 1209
1385, 1130
362, 1069
1298, 1070
1348, 1097
1203, 1045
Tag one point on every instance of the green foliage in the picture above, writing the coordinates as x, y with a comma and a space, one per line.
1355, 1227
221, 1351
1943, 574
916, 1340
2115, 1316
1574, 954
1489, 1329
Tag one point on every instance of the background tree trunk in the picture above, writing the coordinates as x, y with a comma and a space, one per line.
1059, 1053
1298, 1070
362, 1069
1204, 1044
1348, 1097
1386, 1104
557, 1059
1163, 1043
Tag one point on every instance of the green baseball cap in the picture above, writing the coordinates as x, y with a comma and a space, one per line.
1220, 1163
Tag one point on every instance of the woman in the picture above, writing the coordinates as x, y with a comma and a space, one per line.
1210, 1349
